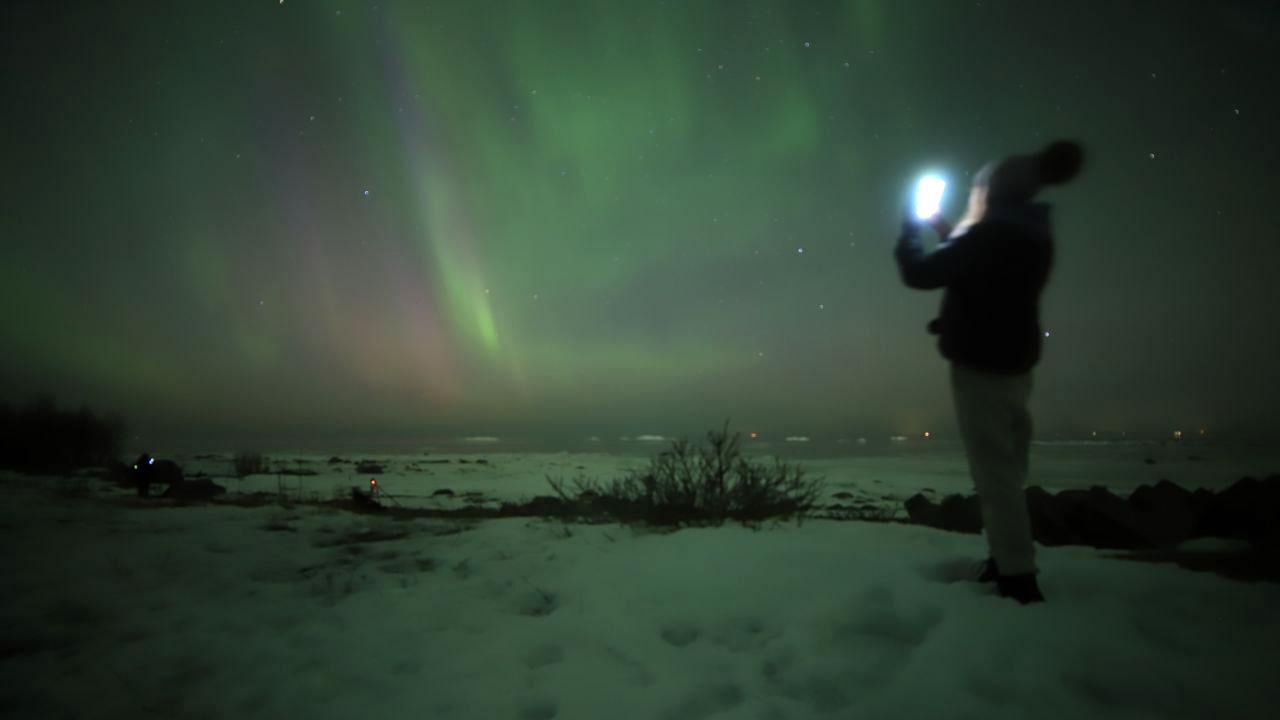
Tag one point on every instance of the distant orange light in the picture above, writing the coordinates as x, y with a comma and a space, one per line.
754, 435
926, 434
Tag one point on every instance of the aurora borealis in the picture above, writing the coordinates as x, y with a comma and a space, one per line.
551, 219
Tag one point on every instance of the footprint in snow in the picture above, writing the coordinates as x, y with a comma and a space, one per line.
544, 655
679, 633
538, 710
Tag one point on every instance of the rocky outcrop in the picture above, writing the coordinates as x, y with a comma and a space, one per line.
1153, 516
196, 489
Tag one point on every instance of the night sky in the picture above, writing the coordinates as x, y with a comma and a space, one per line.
306, 220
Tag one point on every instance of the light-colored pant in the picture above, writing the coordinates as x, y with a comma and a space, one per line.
996, 428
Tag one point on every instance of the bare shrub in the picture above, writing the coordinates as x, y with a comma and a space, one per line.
701, 485
249, 463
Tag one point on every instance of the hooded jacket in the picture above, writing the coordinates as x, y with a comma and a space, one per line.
993, 274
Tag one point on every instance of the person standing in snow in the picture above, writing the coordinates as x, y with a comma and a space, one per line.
994, 264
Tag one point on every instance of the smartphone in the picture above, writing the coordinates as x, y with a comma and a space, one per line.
929, 196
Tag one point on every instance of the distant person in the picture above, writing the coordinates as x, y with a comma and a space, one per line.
144, 474
994, 264
148, 471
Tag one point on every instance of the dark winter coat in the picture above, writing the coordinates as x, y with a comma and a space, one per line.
993, 275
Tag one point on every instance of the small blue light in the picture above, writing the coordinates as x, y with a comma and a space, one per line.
151, 461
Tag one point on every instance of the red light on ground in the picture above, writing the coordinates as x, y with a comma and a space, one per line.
373, 481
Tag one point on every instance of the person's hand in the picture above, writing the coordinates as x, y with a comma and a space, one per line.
910, 224
941, 225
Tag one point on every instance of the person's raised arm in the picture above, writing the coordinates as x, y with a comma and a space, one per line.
946, 264
942, 226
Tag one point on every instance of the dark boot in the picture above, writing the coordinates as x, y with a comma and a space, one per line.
987, 570
1022, 588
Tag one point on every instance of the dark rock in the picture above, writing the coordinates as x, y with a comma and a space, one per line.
147, 471
922, 511
202, 489
364, 499
335, 460
446, 492
437, 462
1153, 517
1166, 513
1102, 519
962, 513
843, 495
463, 460
544, 505
1150, 461
167, 472
1249, 509
1163, 494
482, 461
1048, 524
369, 467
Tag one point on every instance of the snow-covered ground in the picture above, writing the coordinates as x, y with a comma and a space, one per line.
115, 607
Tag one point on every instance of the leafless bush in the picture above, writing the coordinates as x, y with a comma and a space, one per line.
702, 485
249, 463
